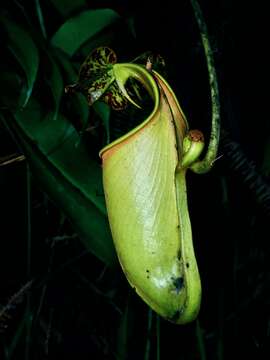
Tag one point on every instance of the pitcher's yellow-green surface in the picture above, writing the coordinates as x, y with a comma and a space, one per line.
145, 193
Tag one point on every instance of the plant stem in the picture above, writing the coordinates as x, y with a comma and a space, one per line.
15, 339
205, 165
41, 19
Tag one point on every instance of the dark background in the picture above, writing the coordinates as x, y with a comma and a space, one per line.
80, 308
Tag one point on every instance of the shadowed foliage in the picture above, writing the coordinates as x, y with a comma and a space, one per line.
63, 293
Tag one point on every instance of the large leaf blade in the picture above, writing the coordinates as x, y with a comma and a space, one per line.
54, 80
61, 144
25, 52
66, 171
90, 223
77, 30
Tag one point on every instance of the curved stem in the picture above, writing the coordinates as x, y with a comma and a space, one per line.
205, 165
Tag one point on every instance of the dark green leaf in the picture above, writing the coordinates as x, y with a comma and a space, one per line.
54, 80
68, 174
104, 111
126, 330
60, 143
14, 94
24, 50
66, 7
77, 30
67, 67
70, 75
